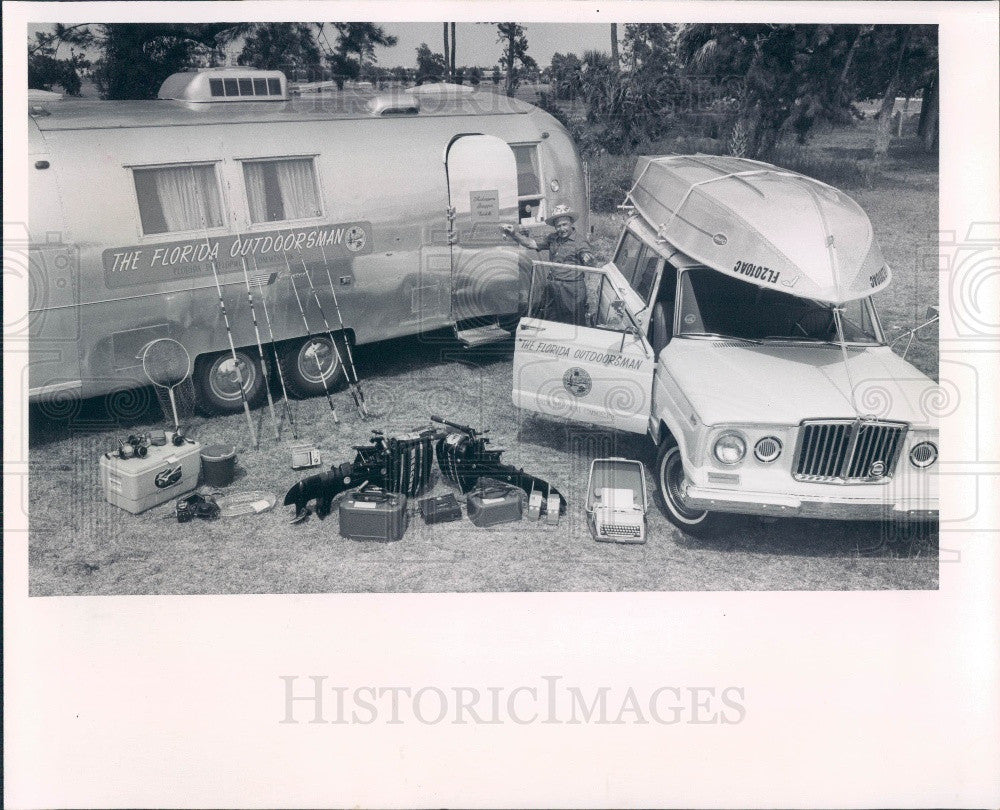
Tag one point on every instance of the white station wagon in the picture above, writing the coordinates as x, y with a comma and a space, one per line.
735, 326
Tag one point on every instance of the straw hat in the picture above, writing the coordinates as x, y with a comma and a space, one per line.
559, 212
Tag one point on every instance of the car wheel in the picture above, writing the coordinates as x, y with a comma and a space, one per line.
217, 379
311, 367
669, 478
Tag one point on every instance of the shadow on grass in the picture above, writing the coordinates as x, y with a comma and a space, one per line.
804, 537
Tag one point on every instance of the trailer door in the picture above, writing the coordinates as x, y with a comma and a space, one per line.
482, 194
49, 265
580, 353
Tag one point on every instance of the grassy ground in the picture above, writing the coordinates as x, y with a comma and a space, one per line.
81, 545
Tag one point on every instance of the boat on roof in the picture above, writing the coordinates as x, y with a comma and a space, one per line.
763, 224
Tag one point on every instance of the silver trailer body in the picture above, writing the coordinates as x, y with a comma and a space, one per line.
399, 197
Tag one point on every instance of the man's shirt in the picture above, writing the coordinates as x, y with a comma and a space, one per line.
566, 251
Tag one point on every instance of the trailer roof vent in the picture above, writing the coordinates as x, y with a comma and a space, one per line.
394, 104
226, 85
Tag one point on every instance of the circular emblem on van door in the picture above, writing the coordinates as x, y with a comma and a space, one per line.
577, 382
877, 470
356, 238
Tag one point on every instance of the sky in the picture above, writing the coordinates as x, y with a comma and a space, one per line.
477, 42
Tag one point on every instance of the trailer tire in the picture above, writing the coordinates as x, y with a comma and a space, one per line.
669, 475
215, 381
303, 375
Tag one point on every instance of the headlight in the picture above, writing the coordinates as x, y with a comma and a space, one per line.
923, 454
767, 449
730, 448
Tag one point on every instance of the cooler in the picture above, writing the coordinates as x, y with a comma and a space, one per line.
137, 484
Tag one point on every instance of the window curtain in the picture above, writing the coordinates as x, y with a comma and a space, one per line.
253, 173
189, 197
298, 189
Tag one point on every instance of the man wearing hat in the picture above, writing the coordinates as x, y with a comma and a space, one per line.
566, 293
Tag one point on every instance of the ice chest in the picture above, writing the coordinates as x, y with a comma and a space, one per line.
373, 515
493, 502
138, 484
616, 500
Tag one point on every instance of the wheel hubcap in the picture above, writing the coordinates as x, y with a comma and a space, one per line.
226, 376
317, 361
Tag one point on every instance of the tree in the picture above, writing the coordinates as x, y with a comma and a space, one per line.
495, 75
789, 75
564, 74
475, 76
614, 46
430, 65
882, 60
355, 47
137, 57
883, 132
515, 53
46, 69
451, 64
447, 48
276, 46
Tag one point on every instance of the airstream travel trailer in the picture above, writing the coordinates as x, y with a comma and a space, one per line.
394, 199
735, 325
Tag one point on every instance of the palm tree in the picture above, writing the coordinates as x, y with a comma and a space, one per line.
447, 50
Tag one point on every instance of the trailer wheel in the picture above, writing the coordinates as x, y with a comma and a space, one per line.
305, 364
669, 477
215, 376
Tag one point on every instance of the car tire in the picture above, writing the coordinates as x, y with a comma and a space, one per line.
216, 384
304, 376
669, 476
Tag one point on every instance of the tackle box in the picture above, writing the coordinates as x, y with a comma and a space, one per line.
442, 509
616, 500
373, 514
137, 484
493, 502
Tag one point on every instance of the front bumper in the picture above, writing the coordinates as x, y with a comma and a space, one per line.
773, 505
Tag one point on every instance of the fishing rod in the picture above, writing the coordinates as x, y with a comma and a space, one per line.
305, 322
352, 371
229, 334
359, 403
260, 350
274, 348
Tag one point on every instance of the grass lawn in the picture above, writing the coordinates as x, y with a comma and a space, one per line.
82, 545
79, 544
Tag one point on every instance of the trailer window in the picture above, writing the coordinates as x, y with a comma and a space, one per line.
529, 183
281, 189
178, 198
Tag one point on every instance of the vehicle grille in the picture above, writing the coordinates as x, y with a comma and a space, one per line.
846, 451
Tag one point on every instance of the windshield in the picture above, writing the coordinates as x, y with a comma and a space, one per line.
715, 304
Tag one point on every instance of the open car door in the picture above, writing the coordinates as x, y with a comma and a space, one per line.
580, 354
